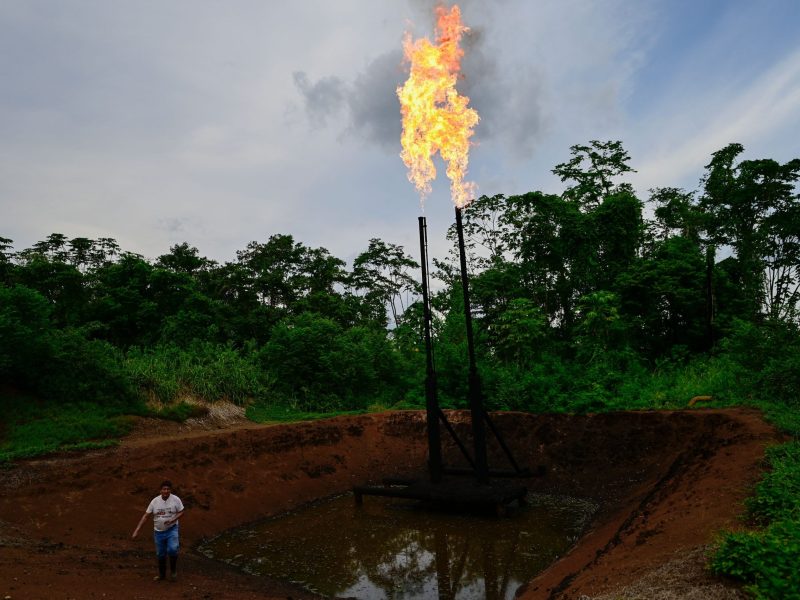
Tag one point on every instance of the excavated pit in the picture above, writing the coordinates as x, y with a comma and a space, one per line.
399, 548
665, 483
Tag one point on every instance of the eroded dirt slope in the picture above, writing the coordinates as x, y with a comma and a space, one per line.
666, 481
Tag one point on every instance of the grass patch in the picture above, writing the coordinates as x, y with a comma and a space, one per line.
784, 417
766, 559
266, 413
34, 427
778, 493
207, 371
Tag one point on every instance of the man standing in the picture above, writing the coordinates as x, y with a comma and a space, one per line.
166, 509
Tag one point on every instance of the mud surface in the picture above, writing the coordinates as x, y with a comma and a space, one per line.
666, 482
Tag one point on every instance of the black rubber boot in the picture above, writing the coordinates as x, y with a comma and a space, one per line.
173, 567
162, 567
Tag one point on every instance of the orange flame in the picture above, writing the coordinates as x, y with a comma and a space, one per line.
435, 117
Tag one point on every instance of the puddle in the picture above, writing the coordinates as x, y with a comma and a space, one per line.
391, 549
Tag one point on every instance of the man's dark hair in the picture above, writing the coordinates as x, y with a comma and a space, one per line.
166, 483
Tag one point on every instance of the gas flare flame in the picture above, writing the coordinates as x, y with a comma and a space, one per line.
435, 117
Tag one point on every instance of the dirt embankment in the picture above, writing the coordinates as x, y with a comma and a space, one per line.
666, 482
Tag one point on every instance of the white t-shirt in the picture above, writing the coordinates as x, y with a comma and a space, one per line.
164, 510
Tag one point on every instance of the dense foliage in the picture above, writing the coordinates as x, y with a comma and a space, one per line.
767, 559
587, 300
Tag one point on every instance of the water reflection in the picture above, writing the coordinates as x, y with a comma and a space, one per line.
389, 549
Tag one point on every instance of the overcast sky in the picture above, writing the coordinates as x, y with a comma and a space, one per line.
219, 123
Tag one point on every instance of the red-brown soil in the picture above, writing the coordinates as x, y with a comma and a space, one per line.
666, 482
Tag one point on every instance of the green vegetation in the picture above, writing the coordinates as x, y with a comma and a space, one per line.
587, 300
778, 494
767, 559
166, 372
264, 413
181, 411
33, 427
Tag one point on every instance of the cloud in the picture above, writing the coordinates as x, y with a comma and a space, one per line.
370, 100
507, 98
749, 115
161, 130
373, 103
173, 224
323, 99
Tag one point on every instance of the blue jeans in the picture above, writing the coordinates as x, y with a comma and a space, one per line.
166, 542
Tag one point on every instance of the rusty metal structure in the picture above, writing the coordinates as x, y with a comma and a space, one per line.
477, 484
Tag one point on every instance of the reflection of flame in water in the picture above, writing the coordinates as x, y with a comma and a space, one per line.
435, 117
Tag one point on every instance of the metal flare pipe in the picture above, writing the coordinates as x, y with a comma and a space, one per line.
431, 400
475, 394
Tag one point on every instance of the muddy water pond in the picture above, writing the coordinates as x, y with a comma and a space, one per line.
388, 548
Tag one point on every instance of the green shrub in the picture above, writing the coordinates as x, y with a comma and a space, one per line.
544, 387
35, 427
770, 353
316, 365
778, 493
204, 370
83, 370
56, 364
767, 561
672, 384
24, 333
271, 413
181, 411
